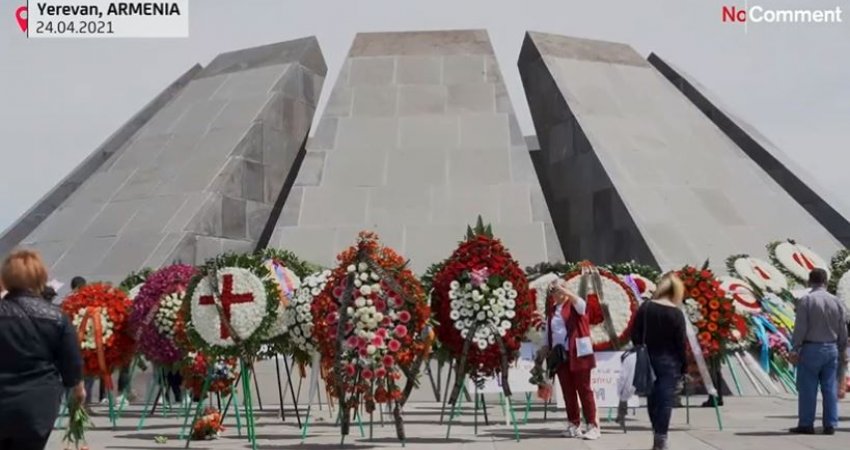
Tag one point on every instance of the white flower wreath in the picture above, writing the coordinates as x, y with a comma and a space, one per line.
619, 307
88, 342
760, 273
649, 285
240, 292
166, 315
288, 290
798, 259
743, 297
843, 289
134, 292
298, 317
490, 309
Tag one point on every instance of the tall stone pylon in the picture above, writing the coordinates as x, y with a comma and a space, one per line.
633, 170
418, 138
198, 172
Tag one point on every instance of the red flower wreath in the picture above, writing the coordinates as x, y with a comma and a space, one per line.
481, 255
100, 314
622, 307
716, 310
383, 333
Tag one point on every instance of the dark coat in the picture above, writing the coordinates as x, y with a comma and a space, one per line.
40, 360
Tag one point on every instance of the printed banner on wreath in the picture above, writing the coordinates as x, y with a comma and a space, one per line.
518, 376
603, 379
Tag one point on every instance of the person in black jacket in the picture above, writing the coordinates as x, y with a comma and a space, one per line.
41, 356
663, 324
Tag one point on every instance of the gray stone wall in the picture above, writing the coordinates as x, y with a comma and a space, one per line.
201, 177
418, 138
799, 184
633, 169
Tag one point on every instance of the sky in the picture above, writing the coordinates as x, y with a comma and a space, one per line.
60, 99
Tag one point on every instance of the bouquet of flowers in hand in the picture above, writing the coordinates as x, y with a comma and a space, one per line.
75, 435
208, 426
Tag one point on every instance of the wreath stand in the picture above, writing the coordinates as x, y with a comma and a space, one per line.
280, 393
504, 402
245, 371
158, 389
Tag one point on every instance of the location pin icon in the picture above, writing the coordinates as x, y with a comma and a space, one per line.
22, 15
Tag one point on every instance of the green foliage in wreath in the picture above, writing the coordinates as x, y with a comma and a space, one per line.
730, 265
771, 252
246, 349
627, 268
538, 270
839, 265
289, 260
135, 279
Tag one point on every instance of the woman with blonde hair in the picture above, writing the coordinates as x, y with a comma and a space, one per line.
571, 357
660, 325
41, 356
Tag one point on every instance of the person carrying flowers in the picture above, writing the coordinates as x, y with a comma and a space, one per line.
570, 356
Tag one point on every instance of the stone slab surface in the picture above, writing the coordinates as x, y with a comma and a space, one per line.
200, 177
828, 209
633, 170
418, 139
749, 423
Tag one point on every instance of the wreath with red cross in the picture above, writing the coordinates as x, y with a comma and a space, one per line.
230, 306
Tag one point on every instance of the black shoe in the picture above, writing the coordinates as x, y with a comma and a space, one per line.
802, 430
710, 402
829, 431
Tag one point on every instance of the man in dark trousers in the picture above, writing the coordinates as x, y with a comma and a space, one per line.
820, 344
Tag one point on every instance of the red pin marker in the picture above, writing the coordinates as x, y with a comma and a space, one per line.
21, 15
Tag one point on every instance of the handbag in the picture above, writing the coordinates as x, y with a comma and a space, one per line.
644, 375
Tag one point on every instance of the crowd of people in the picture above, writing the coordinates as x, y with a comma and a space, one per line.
42, 361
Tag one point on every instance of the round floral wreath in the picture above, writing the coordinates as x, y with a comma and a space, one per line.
478, 262
100, 314
843, 289
705, 296
157, 346
745, 300
287, 271
795, 260
132, 285
840, 264
242, 290
757, 271
383, 324
622, 308
298, 317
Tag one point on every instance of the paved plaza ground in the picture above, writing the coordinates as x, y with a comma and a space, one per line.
748, 423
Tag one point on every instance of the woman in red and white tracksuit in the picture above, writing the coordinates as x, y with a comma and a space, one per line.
567, 325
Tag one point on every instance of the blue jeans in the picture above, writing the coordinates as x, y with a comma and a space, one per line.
668, 371
818, 365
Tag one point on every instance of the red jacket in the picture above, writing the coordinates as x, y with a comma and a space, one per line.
578, 326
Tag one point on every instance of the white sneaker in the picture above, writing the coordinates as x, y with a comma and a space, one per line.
120, 399
593, 433
572, 431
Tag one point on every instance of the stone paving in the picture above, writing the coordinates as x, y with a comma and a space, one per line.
749, 423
